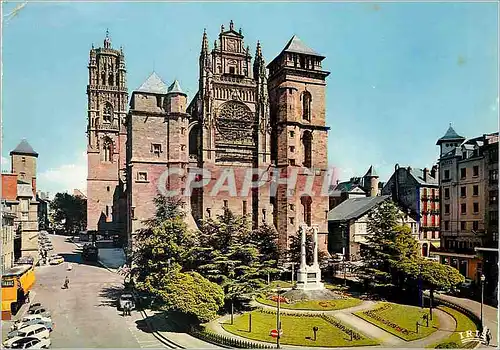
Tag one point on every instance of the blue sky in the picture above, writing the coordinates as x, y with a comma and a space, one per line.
400, 72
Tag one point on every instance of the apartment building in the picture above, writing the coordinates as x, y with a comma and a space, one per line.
464, 174
417, 192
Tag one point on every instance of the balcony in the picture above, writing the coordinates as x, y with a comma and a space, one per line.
108, 126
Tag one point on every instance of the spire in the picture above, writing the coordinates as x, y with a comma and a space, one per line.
222, 28
107, 40
175, 88
239, 31
231, 25
258, 52
450, 135
24, 148
204, 43
215, 44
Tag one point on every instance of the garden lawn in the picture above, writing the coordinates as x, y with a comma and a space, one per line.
317, 305
282, 284
296, 330
463, 324
404, 316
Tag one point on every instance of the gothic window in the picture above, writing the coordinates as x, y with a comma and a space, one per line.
107, 150
306, 203
307, 142
306, 106
111, 80
103, 78
107, 114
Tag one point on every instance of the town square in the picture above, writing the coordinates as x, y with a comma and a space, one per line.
260, 175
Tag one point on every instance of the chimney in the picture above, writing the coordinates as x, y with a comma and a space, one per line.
426, 174
433, 171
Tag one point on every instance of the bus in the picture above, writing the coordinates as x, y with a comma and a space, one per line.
16, 284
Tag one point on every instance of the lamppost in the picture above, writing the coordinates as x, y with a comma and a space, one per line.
483, 278
278, 323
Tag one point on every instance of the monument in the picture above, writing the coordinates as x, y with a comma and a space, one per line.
309, 276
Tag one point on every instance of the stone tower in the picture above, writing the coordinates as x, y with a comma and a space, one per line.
106, 133
158, 141
370, 181
299, 137
23, 162
229, 126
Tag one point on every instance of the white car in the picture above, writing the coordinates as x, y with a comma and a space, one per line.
31, 343
124, 298
37, 331
32, 317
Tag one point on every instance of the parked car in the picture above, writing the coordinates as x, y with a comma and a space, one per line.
36, 331
56, 260
35, 305
28, 318
31, 343
39, 311
45, 321
125, 298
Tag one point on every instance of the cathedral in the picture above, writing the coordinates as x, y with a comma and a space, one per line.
244, 116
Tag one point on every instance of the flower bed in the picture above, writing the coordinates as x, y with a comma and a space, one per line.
313, 305
400, 320
374, 314
281, 299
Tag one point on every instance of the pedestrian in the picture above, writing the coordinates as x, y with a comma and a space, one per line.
488, 337
129, 308
66, 283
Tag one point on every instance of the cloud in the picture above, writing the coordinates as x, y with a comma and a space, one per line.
65, 177
5, 161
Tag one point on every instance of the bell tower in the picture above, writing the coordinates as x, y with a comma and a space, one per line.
296, 86
107, 99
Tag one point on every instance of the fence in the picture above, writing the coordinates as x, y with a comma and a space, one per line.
225, 342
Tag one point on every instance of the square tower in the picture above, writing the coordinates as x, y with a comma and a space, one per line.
296, 87
106, 134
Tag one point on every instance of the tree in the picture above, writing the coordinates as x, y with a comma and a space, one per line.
188, 293
388, 244
69, 212
265, 239
226, 255
164, 241
430, 275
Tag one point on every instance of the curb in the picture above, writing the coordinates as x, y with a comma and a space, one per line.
161, 338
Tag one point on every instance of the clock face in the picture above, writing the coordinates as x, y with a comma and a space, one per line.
231, 45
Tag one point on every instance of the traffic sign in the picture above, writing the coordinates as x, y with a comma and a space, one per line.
274, 333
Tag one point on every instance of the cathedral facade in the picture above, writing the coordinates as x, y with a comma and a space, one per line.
261, 124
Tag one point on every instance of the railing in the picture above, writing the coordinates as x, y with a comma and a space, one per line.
223, 341
108, 126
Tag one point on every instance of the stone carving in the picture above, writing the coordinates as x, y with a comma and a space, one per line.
234, 124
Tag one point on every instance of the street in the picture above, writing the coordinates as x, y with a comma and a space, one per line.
85, 315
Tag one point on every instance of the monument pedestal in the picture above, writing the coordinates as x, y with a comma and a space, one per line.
309, 277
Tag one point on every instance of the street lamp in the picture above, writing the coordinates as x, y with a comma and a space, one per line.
483, 278
278, 323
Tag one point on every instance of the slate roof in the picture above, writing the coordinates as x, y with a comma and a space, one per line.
175, 88
24, 148
153, 84
371, 172
418, 175
296, 45
451, 134
354, 208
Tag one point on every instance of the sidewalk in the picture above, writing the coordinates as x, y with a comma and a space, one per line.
159, 325
490, 314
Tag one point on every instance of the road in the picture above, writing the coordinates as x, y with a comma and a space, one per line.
85, 315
